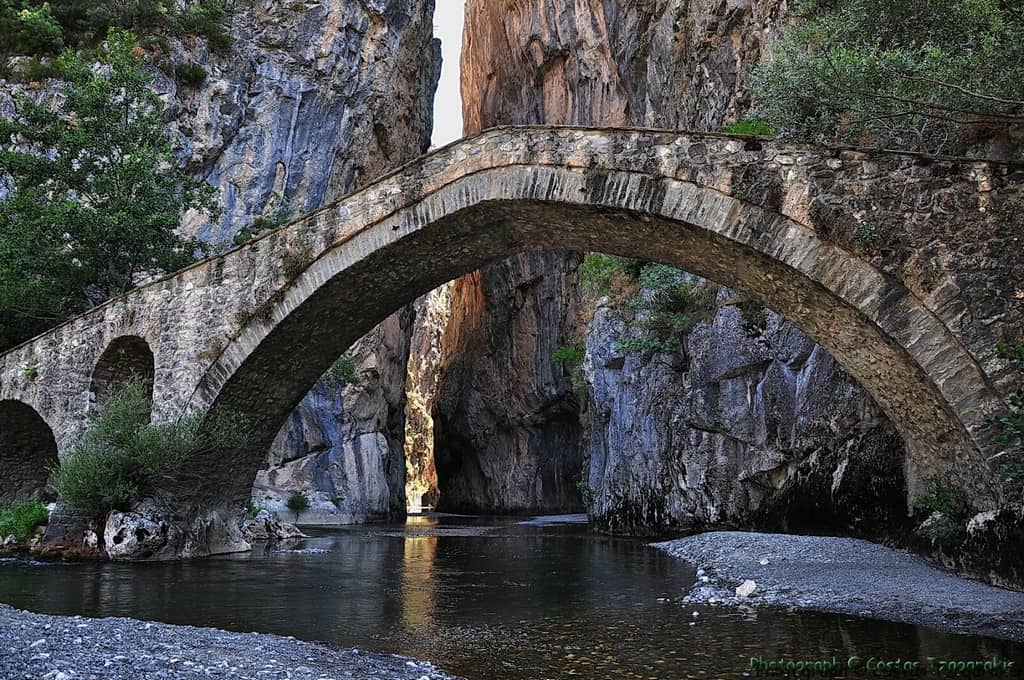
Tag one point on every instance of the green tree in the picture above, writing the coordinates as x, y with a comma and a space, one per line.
932, 75
27, 29
94, 193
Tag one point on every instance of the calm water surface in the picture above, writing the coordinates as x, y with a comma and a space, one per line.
481, 598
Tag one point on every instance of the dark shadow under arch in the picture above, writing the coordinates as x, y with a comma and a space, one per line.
125, 358
27, 452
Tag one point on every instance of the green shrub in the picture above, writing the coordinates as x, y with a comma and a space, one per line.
251, 510
123, 458
569, 356
750, 126
21, 520
192, 75
31, 369
298, 502
342, 372
641, 344
297, 259
204, 18
35, 70
597, 271
671, 304
338, 501
1010, 423
947, 508
920, 74
587, 494
865, 233
754, 317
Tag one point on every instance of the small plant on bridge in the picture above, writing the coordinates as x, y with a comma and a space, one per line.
21, 520
298, 503
1011, 422
124, 458
277, 217
297, 258
31, 369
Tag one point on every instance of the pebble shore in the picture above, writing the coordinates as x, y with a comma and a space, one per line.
39, 646
844, 576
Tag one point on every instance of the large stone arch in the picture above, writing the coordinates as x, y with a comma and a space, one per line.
917, 371
27, 452
126, 357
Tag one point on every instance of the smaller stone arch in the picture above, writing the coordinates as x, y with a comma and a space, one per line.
126, 357
28, 451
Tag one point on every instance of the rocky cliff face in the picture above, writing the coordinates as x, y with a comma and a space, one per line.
312, 100
745, 427
735, 430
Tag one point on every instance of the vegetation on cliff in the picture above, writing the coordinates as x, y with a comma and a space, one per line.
124, 458
94, 193
915, 74
42, 29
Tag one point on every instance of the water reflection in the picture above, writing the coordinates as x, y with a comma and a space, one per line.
482, 598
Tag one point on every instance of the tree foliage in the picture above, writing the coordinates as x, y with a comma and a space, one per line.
94, 193
124, 458
31, 27
931, 75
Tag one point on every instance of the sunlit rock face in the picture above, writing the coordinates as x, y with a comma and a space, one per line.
734, 437
312, 101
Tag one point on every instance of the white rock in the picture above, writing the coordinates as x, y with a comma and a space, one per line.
746, 589
764, 562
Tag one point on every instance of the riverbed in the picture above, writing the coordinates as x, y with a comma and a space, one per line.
480, 598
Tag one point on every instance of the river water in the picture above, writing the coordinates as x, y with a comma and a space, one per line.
481, 598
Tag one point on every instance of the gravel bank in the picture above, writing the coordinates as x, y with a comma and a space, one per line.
846, 576
69, 648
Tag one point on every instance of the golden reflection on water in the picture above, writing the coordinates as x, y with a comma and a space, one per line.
419, 580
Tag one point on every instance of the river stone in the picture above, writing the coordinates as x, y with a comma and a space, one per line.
265, 527
131, 536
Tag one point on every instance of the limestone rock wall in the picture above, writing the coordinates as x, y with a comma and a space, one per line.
313, 100
747, 426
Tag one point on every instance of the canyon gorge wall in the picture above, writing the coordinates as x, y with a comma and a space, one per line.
310, 101
735, 429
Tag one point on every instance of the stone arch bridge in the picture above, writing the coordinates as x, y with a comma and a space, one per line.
904, 267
